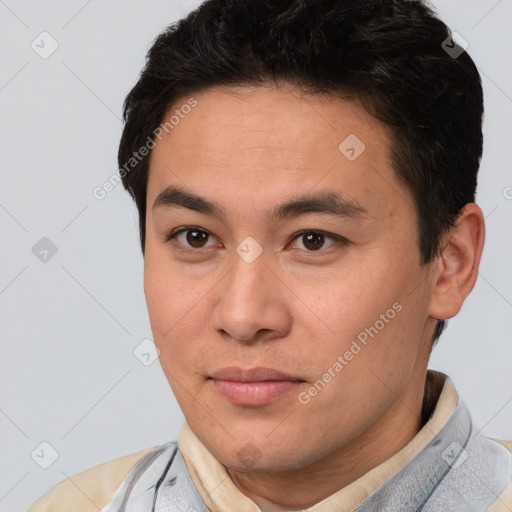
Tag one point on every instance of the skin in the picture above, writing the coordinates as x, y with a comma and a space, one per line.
293, 308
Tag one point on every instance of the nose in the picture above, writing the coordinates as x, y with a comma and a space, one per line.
251, 303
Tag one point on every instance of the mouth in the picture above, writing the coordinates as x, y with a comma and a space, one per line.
253, 387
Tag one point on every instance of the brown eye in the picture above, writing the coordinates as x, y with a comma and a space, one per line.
315, 240
196, 238
189, 238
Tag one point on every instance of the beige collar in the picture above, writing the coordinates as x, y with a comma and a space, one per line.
220, 493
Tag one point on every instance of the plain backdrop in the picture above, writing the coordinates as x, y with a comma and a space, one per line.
71, 298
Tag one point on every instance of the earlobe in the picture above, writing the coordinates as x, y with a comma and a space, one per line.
457, 263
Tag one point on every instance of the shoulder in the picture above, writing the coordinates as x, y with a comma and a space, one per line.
503, 502
506, 444
91, 489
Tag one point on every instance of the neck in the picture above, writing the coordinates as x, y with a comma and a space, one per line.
302, 488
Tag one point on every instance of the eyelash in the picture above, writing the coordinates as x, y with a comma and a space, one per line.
170, 238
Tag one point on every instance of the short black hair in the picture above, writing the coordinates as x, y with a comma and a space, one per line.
395, 57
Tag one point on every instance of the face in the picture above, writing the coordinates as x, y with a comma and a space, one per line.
282, 275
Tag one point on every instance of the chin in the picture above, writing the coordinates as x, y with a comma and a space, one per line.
265, 462
257, 455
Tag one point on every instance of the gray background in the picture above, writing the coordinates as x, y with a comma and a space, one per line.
70, 325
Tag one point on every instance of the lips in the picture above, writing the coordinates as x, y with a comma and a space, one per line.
258, 374
253, 387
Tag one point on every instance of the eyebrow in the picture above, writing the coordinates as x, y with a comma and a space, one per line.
324, 202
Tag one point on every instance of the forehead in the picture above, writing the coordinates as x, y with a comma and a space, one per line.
264, 142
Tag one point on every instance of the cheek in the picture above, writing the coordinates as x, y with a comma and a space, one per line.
352, 302
168, 291
166, 300
177, 312
368, 317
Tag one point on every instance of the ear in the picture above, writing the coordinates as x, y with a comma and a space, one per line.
456, 266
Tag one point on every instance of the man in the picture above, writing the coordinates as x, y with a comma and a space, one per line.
305, 175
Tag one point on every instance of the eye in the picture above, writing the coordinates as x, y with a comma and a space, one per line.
190, 237
313, 240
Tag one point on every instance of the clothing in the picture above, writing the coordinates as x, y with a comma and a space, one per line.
447, 466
